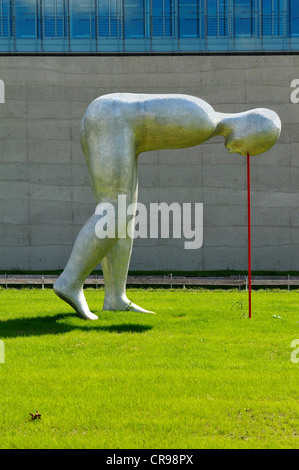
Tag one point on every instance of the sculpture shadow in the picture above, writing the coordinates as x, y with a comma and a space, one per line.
52, 325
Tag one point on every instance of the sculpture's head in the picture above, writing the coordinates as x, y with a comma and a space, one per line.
252, 132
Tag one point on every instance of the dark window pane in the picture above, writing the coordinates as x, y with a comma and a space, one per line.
54, 18
267, 18
244, 18
294, 18
82, 19
216, 23
5, 18
103, 18
25, 19
212, 18
161, 18
134, 18
222, 18
278, 18
272, 17
109, 18
188, 18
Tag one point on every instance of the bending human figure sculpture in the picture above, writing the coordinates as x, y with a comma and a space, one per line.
115, 129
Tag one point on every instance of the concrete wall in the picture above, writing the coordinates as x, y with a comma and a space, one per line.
45, 196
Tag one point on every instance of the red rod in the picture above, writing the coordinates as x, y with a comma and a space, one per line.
249, 233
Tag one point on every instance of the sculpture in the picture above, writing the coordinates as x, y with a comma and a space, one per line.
115, 129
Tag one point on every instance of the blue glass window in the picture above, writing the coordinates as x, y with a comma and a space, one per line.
5, 18
294, 18
109, 18
272, 17
267, 18
25, 18
244, 18
216, 23
188, 18
82, 19
161, 18
78, 24
134, 18
54, 18
278, 17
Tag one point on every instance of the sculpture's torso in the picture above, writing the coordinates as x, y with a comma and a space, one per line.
156, 121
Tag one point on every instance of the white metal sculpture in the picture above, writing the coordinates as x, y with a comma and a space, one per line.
115, 129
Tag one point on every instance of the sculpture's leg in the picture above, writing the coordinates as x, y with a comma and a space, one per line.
115, 267
112, 165
87, 252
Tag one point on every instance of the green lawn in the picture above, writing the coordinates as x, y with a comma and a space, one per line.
199, 374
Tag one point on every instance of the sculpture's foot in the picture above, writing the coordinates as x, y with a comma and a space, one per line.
124, 305
75, 298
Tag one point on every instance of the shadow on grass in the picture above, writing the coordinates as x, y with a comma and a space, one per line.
52, 325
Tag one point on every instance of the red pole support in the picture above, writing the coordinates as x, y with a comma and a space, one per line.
249, 234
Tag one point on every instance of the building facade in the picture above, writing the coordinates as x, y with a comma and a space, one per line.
45, 194
148, 26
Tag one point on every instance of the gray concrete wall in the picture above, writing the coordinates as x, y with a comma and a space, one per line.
45, 196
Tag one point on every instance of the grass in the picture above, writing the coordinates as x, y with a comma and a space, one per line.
199, 374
